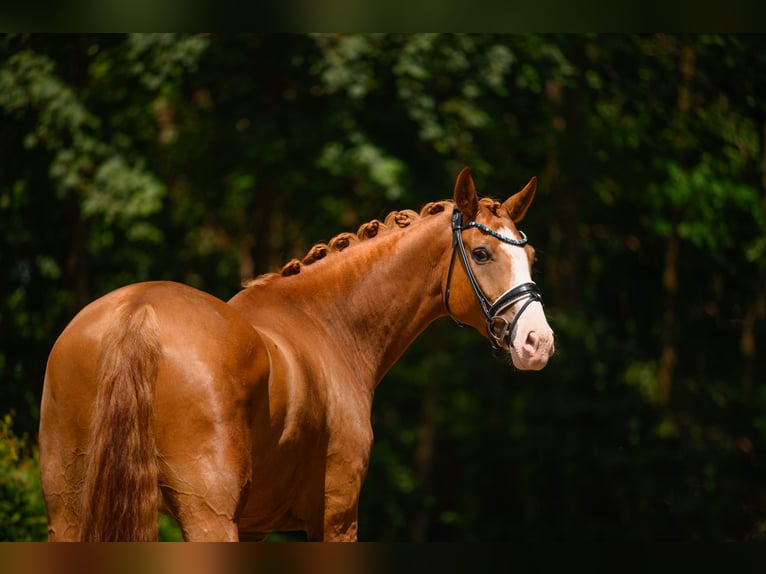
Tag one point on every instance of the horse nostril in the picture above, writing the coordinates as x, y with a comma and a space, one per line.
533, 341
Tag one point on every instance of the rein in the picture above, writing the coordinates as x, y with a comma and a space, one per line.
499, 328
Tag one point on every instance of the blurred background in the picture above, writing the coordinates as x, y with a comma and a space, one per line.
209, 159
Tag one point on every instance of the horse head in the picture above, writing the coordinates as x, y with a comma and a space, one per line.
491, 288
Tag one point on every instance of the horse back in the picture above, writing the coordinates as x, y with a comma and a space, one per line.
200, 336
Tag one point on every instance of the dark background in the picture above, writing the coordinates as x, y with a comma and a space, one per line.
208, 159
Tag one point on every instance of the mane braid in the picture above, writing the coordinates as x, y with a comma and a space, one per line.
394, 220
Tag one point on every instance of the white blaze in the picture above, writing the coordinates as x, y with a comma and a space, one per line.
533, 341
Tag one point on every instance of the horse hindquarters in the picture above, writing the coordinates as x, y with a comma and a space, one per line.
100, 479
147, 394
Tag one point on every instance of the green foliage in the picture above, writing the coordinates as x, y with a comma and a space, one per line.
169, 531
22, 510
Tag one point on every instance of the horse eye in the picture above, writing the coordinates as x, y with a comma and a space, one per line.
481, 255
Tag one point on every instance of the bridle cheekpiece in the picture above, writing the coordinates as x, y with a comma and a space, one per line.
500, 330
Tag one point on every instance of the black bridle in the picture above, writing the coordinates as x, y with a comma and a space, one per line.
499, 328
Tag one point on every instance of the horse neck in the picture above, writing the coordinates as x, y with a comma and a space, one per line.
376, 297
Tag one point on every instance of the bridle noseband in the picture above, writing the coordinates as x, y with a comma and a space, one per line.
499, 328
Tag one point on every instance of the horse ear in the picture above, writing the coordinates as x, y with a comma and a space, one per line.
518, 203
466, 197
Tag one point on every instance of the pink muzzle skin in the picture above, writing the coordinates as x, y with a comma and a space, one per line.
533, 342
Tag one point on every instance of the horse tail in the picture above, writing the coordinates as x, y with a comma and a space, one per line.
120, 489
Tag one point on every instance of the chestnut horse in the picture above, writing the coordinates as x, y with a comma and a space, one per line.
253, 416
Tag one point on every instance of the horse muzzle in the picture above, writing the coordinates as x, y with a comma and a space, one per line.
531, 344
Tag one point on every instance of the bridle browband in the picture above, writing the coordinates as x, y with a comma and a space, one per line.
500, 330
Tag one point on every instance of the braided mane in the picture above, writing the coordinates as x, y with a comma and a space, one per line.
394, 220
